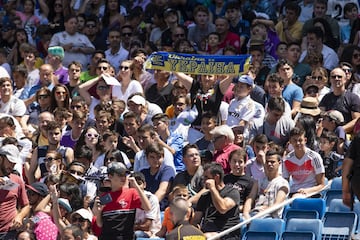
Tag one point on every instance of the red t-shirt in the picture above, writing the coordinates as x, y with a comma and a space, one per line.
118, 216
231, 39
10, 201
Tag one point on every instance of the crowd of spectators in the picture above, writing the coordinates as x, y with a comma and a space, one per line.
95, 146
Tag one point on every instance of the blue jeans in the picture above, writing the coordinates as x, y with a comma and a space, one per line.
141, 234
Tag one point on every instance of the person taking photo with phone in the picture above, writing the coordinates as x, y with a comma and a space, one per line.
115, 220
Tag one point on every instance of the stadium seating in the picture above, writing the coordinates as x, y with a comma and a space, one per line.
317, 204
304, 226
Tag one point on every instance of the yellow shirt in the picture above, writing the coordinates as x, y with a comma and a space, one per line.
295, 31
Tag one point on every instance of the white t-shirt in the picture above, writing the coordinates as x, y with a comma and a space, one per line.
14, 107
134, 87
240, 109
153, 213
303, 171
268, 191
77, 40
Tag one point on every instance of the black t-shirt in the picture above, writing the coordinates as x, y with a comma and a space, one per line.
345, 103
214, 221
193, 183
162, 98
354, 153
242, 183
185, 230
205, 102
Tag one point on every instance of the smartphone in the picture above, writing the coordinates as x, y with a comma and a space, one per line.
105, 199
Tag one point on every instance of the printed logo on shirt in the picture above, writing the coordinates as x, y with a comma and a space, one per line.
123, 203
299, 172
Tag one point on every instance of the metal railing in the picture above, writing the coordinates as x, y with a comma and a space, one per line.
266, 212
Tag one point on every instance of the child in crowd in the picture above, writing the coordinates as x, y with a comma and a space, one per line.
62, 116
208, 123
179, 191
333, 121
332, 160
242, 108
238, 25
77, 124
255, 166
264, 30
237, 176
19, 75
213, 41
281, 50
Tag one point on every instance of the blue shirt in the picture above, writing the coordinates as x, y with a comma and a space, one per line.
292, 92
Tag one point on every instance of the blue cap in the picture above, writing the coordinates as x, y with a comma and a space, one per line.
245, 79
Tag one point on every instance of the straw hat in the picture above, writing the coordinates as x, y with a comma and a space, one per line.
310, 105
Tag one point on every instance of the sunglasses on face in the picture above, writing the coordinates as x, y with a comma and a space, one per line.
110, 159
317, 78
125, 68
336, 76
90, 135
102, 68
77, 219
347, 70
75, 106
126, 34
49, 159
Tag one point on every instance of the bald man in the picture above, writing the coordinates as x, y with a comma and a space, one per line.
346, 102
180, 212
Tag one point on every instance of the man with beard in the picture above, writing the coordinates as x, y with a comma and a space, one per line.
77, 46
14, 202
339, 99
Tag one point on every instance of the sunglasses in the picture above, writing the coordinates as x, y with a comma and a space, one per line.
180, 35
102, 68
76, 172
125, 68
336, 76
102, 88
347, 70
317, 78
74, 70
110, 159
90, 25
90, 135
77, 219
126, 34
75, 106
49, 159
43, 96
